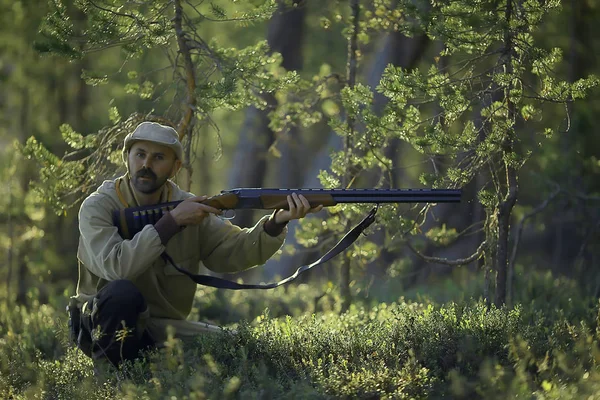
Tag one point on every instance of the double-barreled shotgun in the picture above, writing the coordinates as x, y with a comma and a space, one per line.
130, 221
269, 199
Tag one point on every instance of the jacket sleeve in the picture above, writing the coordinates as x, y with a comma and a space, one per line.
229, 248
104, 252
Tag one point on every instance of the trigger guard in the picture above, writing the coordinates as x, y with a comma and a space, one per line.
228, 215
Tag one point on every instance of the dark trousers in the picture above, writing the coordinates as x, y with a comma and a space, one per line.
107, 330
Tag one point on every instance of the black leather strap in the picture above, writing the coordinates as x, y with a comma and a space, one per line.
221, 283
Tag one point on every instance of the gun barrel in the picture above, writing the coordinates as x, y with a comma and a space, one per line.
276, 198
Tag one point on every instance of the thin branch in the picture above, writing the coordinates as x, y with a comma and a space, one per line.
547, 99
582, 196
203, 16
445, 261
134, 17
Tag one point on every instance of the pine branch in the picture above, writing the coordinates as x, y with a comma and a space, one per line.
131, 16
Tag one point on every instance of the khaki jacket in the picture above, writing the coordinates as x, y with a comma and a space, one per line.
104, 256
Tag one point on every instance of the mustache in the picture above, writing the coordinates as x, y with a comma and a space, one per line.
145, 173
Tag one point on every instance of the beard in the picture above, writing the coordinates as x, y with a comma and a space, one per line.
146, 181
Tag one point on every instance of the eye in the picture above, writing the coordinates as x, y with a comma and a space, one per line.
160, 157
139, 154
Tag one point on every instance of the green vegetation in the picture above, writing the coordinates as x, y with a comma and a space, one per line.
403, 349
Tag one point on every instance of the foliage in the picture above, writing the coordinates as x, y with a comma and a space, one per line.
402, 349
472, 107
238, 79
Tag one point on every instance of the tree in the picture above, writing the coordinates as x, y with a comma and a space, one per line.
206, 77
493, 55
285, 36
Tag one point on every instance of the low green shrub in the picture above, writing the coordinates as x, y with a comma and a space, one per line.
403, 349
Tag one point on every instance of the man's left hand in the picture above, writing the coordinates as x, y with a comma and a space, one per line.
298, 208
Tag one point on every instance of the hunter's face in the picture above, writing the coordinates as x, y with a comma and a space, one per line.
150, 165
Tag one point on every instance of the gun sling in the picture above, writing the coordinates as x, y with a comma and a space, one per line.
342, 245
131, 220
221, 283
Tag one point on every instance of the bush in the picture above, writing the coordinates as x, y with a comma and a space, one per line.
403, 349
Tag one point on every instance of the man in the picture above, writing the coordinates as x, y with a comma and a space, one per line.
126, 294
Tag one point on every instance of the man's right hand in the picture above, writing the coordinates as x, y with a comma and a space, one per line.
192, 212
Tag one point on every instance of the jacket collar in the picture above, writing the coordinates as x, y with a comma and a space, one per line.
126, 194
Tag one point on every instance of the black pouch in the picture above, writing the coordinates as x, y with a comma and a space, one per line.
78, 334
74, 320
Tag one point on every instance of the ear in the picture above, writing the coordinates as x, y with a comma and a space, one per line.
126, 161
176, 167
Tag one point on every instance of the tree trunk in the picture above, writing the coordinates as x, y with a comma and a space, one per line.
506, 205
404, 52
479, 213
187, 122
22, 253
10, 250
205, 177
250, 159
352, 67
567, 236
504, 214
66, 228
285, 35
286, 264
22, 273
291, 165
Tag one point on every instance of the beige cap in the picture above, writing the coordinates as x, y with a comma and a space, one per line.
154, 132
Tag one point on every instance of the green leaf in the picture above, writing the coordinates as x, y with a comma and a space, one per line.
113, 115
72, 138
93, 78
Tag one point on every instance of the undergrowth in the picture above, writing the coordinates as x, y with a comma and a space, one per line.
403, 349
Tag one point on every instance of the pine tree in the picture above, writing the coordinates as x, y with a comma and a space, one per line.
496, 71
205, 77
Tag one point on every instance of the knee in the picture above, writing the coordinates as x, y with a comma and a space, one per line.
122, 293
122, 286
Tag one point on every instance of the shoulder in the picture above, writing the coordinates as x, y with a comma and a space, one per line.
178, 193
102, 200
